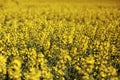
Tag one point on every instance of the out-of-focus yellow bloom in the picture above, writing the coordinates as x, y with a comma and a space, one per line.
90, 60
2, 67
102, 74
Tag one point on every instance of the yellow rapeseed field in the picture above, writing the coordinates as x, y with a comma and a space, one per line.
59, 40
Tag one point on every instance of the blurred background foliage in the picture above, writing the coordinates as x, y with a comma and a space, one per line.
59, 40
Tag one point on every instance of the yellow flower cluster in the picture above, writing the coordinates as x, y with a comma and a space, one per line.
2, 67
14, 69
59, 41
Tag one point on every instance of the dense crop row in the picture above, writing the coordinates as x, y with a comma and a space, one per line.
59, 42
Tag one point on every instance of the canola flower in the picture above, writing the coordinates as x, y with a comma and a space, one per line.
59, 41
